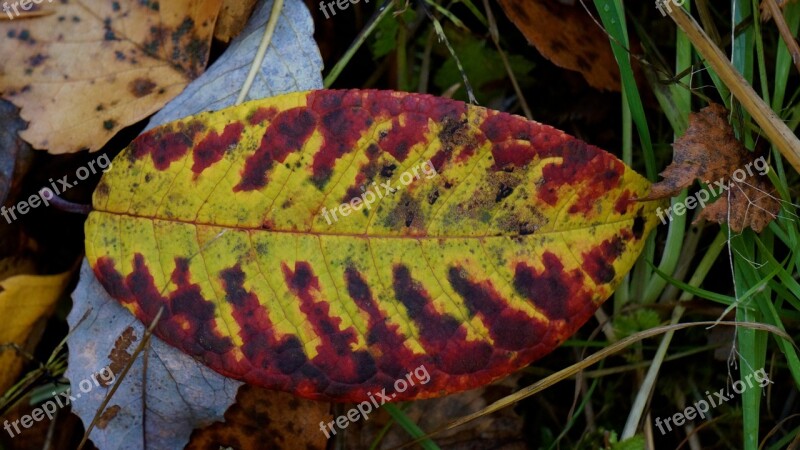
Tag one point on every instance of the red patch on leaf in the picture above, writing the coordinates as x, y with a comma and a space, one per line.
505, 132
559, 294
504, 322
166, 146
592, 172
263, 350
440, 334
399, 140
624, 201
395, 359
599, 262
213, 147
334, 359
263, 114
285, 135
342, 122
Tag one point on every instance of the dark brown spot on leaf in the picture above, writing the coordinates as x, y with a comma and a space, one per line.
141, 87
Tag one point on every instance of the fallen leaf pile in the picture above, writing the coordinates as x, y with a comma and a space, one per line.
709, 152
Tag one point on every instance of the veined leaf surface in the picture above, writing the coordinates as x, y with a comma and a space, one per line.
473, 272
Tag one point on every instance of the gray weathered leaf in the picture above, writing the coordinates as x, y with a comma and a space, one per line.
181, 393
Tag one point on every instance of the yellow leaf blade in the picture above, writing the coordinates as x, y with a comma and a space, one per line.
494, 240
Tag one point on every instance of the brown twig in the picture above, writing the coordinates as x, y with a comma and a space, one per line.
786, 34
139, 348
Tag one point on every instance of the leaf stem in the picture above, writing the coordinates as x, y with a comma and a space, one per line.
262, 50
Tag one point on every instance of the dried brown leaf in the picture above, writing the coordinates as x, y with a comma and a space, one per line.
567, 36
709, 152
261, 418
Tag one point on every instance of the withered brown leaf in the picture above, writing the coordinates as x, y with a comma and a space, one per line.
709, 152
567, 36
261, 418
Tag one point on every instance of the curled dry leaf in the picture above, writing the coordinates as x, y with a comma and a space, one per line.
93, 67
567, 36
709, 152
494, 240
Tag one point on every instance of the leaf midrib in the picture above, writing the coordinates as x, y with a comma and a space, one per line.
364, 235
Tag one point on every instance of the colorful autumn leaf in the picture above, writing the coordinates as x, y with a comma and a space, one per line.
709, 152
567, 36
92, 68
503, 242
